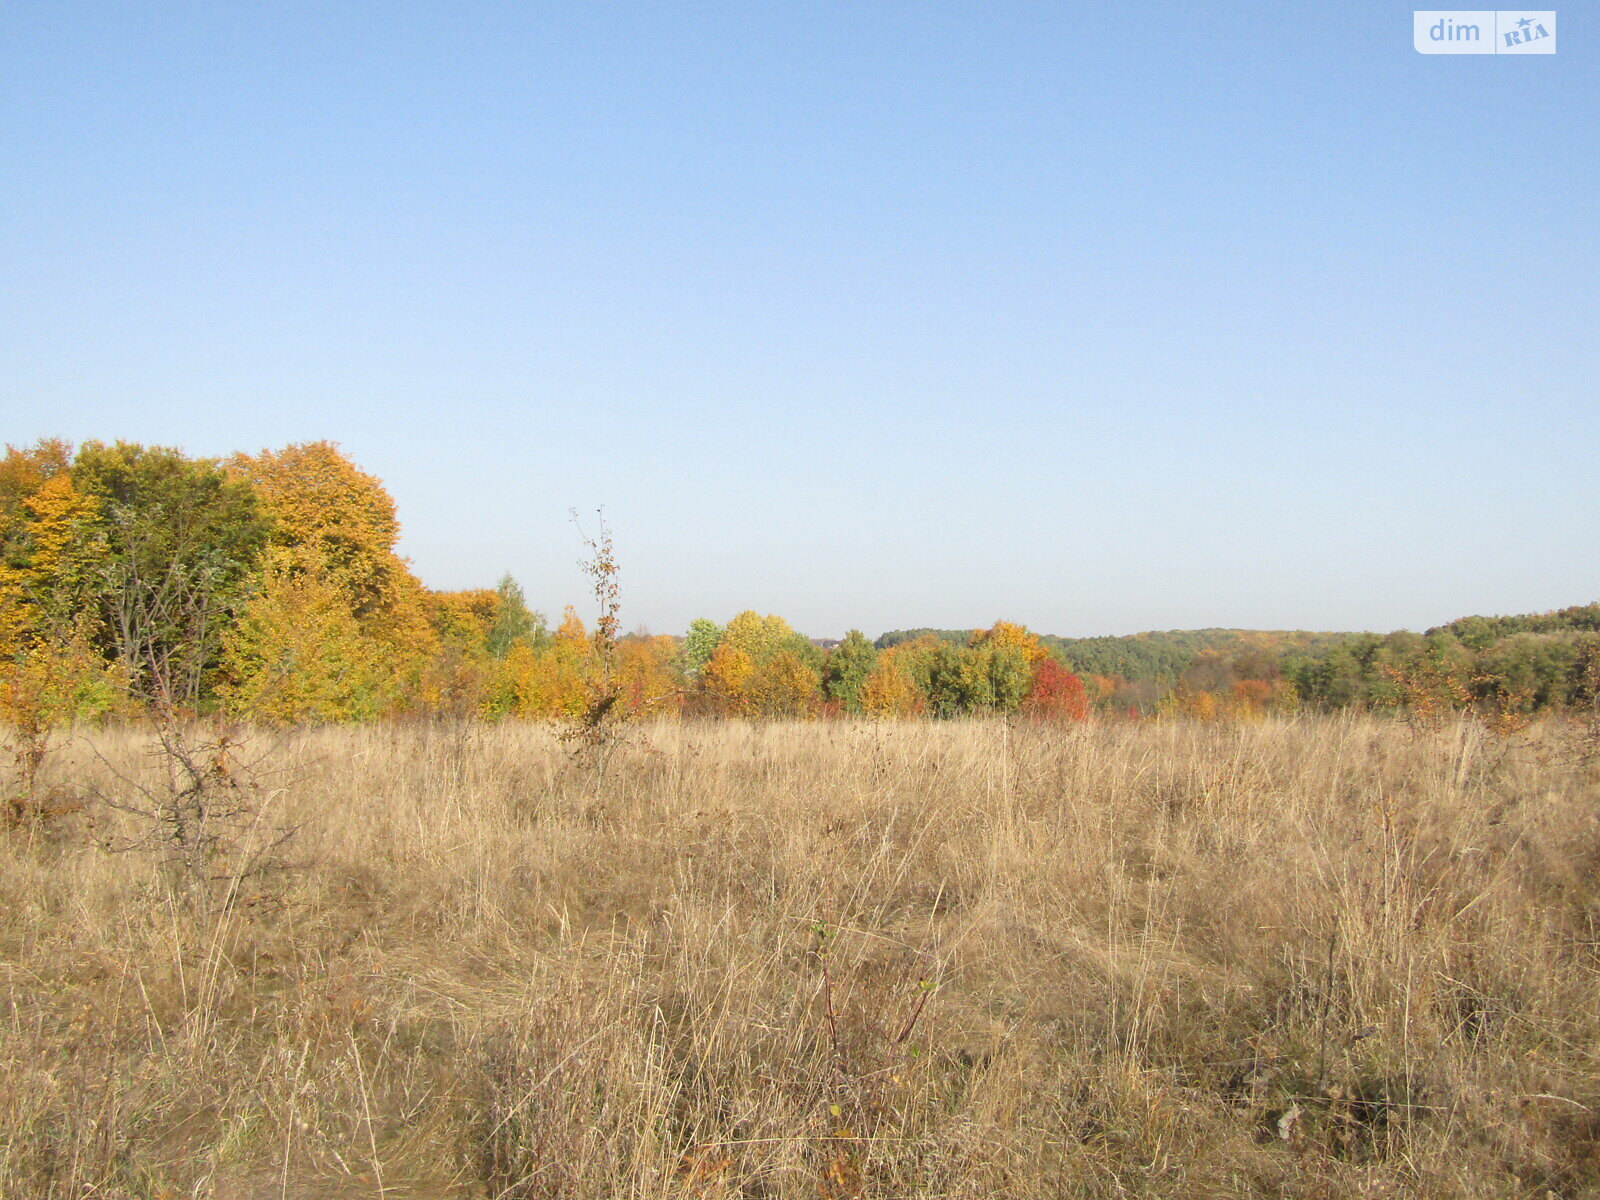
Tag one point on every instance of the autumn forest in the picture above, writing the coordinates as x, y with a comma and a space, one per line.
268, 587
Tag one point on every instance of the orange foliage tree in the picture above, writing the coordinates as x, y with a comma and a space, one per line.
725, 680
1056, 694
897, 684
649, 677
784, 686
889, 691
460, 679
555, 681
50, 549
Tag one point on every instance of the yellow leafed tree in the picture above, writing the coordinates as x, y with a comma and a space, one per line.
1004, 635
761, 667
317, 500
49, 549
726, 679
297, 653
462, 679
888, 691
554, 681
50, 553
783, 686
464, 618
337, 523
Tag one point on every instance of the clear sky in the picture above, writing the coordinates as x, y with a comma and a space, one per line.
870, 314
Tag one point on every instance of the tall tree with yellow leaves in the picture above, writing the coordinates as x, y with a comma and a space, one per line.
1007, 636
336, 522
784, 686
555, 680
315, 499
761, 667
51, 549
888, 691
51, 553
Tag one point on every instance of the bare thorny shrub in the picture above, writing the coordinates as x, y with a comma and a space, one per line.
871, 1059
202, 812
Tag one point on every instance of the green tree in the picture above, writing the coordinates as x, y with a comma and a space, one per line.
1527, 671
845, 673
704, 638
513, 620
1007, 673
956, 682
182, 539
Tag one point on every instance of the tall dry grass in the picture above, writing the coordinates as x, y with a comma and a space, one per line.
1316, 957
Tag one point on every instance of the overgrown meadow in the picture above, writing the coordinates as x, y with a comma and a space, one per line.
315, 883
1308, 956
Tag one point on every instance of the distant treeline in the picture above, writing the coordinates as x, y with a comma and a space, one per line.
1511, 663
1160, 658
1514, 664
138, 580
267, 587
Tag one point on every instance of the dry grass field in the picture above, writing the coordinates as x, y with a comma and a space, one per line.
1313, 957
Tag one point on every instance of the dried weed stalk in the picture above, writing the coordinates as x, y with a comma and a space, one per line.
595, 733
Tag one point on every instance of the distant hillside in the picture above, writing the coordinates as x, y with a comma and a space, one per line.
1512, 664
1164, 656
1156, 656
1478, 633
1520, 663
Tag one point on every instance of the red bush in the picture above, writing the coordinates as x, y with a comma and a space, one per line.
1056, 695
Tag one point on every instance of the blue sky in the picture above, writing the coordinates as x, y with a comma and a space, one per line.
868, 314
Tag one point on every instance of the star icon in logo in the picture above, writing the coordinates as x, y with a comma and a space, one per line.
1525, 22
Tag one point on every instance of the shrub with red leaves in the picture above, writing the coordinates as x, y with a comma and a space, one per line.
1056, 695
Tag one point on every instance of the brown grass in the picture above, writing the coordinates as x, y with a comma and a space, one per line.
1320, 957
